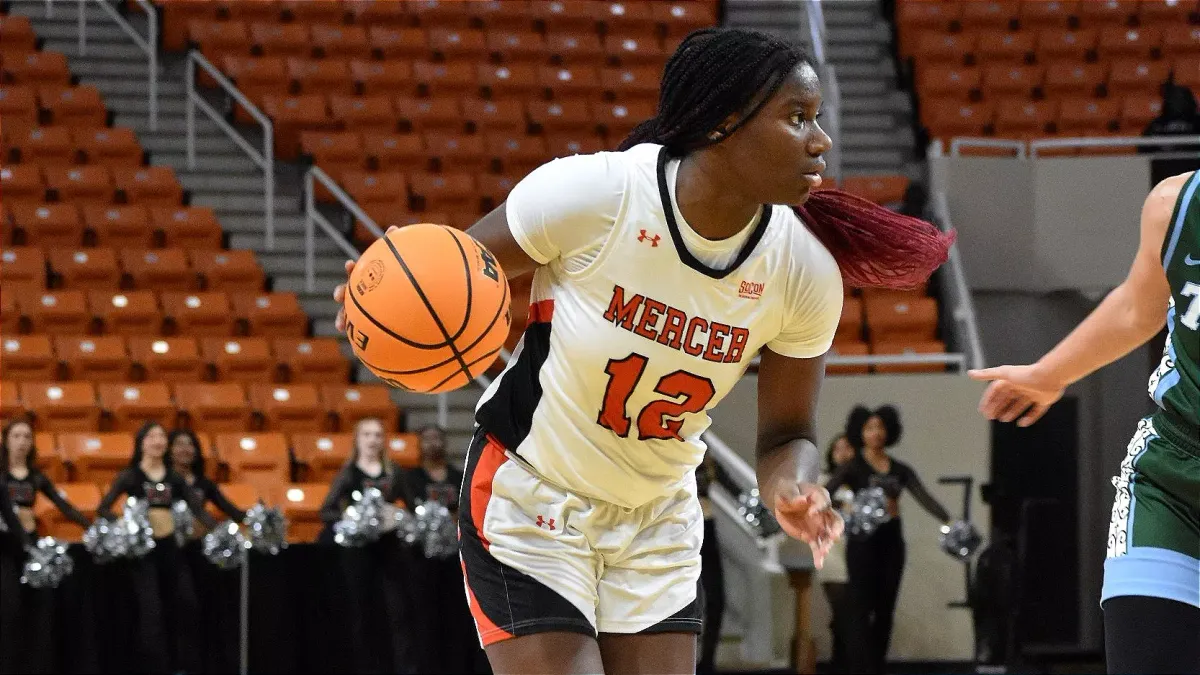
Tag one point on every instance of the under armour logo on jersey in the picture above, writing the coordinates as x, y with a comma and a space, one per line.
543, 522
653, 239
751, 290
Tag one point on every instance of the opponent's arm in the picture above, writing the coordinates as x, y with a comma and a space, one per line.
1129, 316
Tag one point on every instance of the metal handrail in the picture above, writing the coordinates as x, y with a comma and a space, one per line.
960, 292
1109, 141
833, 95
264, 159
959, 143
149, 44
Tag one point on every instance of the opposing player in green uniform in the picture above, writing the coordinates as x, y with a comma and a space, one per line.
1151, 595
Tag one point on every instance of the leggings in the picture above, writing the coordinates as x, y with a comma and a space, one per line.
841, 625
712, 583
876, 565
168, 621
26, 617
1151, 635
379, 607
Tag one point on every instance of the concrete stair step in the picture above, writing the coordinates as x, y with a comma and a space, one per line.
222, 203
286, 244
856, 122
252, 183
226, 163
320, 306
140, 105
169, 91
107, 51
320, 327
294, 282
282, 262
847, 14
68, 12
205, 144
865, 70
865, 140
96, 66
460, 399
876, 34
169, 124
843, 53
68, 29
285, 223
860, 87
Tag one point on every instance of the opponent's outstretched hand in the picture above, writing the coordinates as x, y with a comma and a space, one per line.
339, 293
1020, 393
804, 511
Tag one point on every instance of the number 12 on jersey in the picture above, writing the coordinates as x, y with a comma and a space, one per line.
686, 394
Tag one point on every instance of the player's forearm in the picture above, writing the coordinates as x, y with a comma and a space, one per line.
795, 461
1121, 323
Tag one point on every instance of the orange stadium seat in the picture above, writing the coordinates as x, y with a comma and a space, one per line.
340, 42
518, 80
22, 184
242, 495
173, 358
1107, 13
1083, 117
850, 327
38, 68
454, 43
301, 506
271, 315
289, 408
389, 42
161, 269
10, 401
234, 270
119, 226
1019, 118
901, 317
86, 268
484, 116
99, 358
332, 146
1187, 72
566, 82
364, 113
1067, 45
58, 312
495, 188
10, 316
618, 119
45, 146
1069, 78
257, 76
405, 450
48, 225
1180, 39
444, 190
389, 78
28, 358
352, 403
516, 46
49, 461
242, 359
497, 14
564, 16
291, 115
392, 152
567, 144
1176, 12
320, 76
62, 406
457, 152
1138, 111
416, 114
948, 81
852, 348
17, 31
444, 79
637, 82
914, 347
1122, 41
22, 269
259, 459
632, 51
881, 188
314, 11
322, 455
279, 39
434, 14
187, 227
214, 407
951, 49
575, 49
80, 184
133, 404
83, 496
1056, 14
680, 18
517, 154
127, 312
1011, 80
369, 189
79, 107
1136, 75
97, 458
315, 360
219, 39
207, 314
18, 104
551, 116
148, 185
988, 14
254, 10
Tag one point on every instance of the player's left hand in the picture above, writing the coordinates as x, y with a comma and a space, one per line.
804, 511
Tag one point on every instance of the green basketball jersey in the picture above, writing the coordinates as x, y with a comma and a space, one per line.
1175, 385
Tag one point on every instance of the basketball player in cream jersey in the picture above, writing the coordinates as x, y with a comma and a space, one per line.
661, 272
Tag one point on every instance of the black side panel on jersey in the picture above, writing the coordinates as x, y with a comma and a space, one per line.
508, 415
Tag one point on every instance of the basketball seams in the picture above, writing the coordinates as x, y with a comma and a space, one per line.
490, 355
389, 332
428, 306
470, 282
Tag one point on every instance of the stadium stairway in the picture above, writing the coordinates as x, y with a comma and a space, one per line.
224, 179
876, 128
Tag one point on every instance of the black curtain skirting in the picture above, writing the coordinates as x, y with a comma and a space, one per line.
312, 609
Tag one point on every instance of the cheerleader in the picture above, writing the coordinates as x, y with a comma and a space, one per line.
834, 576
26, 614
374, 573
435, 479
163, 587
712, 573
186, 459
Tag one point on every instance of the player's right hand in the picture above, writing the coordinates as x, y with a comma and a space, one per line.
1020, 393
339, 293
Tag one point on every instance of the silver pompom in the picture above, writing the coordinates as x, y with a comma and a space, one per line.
136, 522
267, 528
185, 524
436, 530
365, 520
129, 536
48, 564
960, 540
225, 546
105, 540
756, 514
868, 511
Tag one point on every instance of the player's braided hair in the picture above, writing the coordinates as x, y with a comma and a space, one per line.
717, 72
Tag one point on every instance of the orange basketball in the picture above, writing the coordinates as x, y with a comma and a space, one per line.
427, 308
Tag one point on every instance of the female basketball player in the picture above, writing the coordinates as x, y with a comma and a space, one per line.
1151, 595
662, 271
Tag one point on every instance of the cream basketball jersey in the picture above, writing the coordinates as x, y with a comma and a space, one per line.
632, 338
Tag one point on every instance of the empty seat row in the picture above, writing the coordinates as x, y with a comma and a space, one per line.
64, 146
209, 406
22, 66
952, 14
146, 313
636, 18
166, 269
114, 358
1050, 44
79, 107
888, 317
1023, 119
1121, 76
91, 184
125, 226
218, 40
